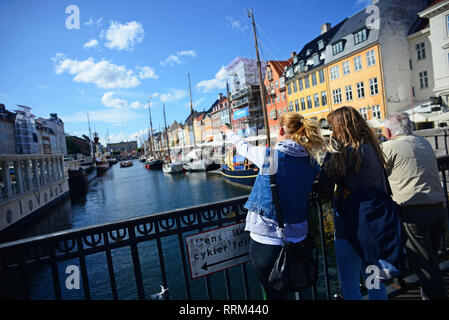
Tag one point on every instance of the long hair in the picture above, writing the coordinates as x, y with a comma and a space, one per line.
349, 129
305, 132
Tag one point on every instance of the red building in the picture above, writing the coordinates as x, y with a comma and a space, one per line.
275, 98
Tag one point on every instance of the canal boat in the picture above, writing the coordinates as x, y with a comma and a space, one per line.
153, 163
126, 164
102, 165
194, 161
27, 189
240, 171
172, 168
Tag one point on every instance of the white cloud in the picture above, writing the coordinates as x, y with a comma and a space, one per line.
219, 82
236, 24
91, 22
110, 116
191, 53
103, 73
175, 59
110, 101
171, 60
173, 95
81, 91
91, 44
124, 36
146, 72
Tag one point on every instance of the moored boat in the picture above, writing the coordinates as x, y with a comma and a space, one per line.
102, 165
240, 171
173, 167
153, 163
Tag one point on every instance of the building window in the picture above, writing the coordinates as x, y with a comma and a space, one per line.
290, 106
423, 80
358, 63
420, 51
309, 102
370, 58
316, 59
360, 90
301, 86
348, 90
334, 73
376, 112
321, 75
337, 96
360, 36
303, 104
283, 96
410, 62
373, 86
289, 89
323, 98
296, 105
316, 100
447, 24
346, 68
363, 113
306, 82
337, 47
320, 45
314, 81
295, 87
278, 99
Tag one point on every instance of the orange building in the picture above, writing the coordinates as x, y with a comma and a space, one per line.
275, 98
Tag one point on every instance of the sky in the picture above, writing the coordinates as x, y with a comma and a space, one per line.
122, 52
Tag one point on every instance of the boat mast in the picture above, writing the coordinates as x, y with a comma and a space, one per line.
261, 86
151, 129
192, 113
229, 103
166, 135
90, 138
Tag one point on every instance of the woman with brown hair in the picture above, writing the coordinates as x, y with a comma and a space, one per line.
355, 163
293, 161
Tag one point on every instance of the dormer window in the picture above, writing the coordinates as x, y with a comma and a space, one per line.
316, 59
337, 47
320, 45
295, 60
269, 74
289, 73
301, 65
360, 36
308, 52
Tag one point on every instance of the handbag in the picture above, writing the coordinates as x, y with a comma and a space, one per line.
295, 268
372, 224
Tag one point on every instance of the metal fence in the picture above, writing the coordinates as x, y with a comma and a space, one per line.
21, 260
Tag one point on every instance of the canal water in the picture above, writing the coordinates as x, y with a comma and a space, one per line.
123, 193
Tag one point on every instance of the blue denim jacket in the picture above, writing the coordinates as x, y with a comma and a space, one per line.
294, 177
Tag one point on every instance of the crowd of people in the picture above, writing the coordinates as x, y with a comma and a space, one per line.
357, 168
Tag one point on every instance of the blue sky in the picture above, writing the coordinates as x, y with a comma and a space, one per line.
125, 51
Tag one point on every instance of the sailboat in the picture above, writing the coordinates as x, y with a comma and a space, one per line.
237, 169
101, 162
195, 160
152, 162
170, 167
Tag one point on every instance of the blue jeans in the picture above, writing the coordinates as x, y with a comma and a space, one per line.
350, 267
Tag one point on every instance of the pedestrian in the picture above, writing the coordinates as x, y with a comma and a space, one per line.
413, 174
293, 160
355, 162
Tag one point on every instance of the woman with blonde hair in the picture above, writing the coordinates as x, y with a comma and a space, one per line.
355, 165
293, 161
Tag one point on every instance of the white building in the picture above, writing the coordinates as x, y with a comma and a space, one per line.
438, 15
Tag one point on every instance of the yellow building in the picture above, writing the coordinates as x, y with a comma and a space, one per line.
356, 80
307, 77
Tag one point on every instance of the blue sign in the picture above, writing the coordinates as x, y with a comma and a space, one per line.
241, 113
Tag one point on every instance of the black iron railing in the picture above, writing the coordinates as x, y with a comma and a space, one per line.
136, 247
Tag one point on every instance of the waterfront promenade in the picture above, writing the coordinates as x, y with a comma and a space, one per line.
125, 251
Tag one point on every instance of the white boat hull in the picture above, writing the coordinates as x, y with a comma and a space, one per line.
172, 168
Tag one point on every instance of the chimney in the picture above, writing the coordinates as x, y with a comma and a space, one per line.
293, 54
325, 27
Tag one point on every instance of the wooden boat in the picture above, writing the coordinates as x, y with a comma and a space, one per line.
240, 171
